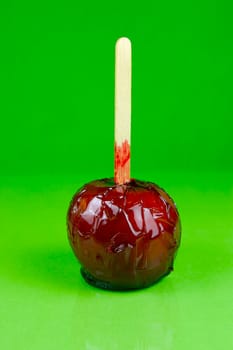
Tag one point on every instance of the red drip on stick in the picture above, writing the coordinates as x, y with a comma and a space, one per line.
122, 163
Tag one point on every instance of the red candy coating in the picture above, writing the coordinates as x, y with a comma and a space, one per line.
125, 236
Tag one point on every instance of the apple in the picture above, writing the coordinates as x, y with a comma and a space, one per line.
125, 236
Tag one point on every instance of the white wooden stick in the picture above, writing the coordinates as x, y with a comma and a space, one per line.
122, 110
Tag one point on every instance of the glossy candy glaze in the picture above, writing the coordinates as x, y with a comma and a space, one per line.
125, 236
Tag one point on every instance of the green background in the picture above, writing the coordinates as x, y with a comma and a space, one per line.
56, 132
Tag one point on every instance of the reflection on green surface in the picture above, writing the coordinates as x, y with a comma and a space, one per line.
47, 304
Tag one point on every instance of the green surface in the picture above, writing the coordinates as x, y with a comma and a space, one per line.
45, 304
56, 132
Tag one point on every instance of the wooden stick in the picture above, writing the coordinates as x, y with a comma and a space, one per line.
122, 111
